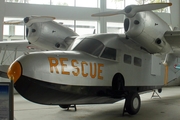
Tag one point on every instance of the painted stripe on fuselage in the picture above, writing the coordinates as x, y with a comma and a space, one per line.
166, 75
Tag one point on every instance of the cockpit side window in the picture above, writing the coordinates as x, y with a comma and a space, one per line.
109, 53
91, 46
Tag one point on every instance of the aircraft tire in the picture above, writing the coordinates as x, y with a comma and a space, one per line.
64, 106
160, 90
133, 103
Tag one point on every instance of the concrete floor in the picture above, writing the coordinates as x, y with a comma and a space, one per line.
166, 108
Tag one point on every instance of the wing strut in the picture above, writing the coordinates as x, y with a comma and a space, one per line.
3, 55
15, 53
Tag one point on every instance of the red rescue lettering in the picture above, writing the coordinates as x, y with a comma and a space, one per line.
93, 71
83, 63
75, 73
53, 62
63, 66
85, 69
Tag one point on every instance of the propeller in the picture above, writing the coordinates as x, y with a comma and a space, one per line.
13, 22
28, 21
131, 10
34, 19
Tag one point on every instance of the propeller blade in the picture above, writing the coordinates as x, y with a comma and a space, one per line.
108, 13
149, 7
131, 10
13, 22
41, 18
34, 19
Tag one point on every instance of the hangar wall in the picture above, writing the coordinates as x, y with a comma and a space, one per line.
175, 13
2, 11
8, 9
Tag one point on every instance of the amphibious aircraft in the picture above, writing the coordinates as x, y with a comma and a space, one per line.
103, 68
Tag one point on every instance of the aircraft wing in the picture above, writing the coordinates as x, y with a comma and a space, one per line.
18, 45
3, 71
173, 38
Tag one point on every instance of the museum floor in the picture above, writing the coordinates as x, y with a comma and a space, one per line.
166, 108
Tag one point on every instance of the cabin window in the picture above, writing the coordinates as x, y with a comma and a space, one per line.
137, 61
109, 53
127, 59
91, 46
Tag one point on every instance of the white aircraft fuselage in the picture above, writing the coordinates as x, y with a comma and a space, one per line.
87, 73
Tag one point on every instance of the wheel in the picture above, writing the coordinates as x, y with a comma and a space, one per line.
118, 83
160, 90
133, 103
64, 106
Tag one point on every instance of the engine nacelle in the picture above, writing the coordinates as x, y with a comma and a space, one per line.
49, 35
147, 29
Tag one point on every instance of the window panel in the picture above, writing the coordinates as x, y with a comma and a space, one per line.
111, 4
113, 27
87, 3
152, 1
19, 30
67, 23
85, 27
167, 9
137, 61
127, 59
63, 2
6, 30
115, 4
16, 1
14, 26
38, 1
91, 46
133, 2
109, 53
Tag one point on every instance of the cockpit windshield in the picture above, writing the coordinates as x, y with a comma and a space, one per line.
91, 46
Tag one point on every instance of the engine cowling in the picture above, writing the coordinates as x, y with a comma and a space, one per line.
49, 35
143, 26
147, 29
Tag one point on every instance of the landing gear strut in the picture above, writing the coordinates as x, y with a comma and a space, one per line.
132, 103
68, 106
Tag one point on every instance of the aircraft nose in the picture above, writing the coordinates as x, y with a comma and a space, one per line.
14, 71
